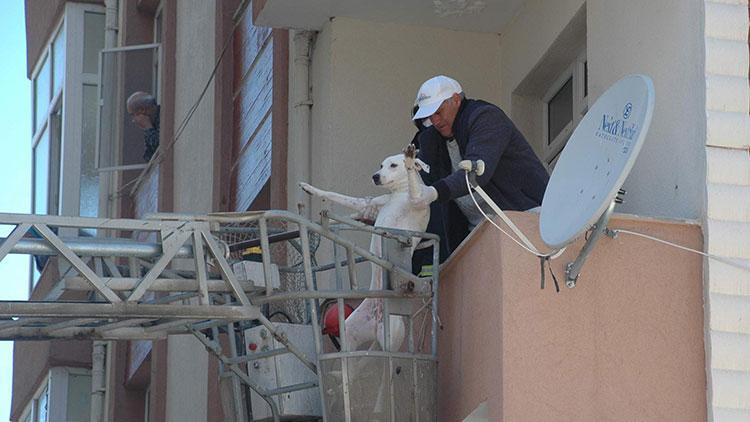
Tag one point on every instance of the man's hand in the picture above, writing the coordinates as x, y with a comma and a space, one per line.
143, 121
422, 196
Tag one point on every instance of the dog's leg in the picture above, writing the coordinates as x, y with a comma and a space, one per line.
366, 206
361, 325
415, 182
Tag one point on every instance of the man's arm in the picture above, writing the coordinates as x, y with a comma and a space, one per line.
489, 136
428, 152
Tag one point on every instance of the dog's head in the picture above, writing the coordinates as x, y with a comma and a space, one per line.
392, 173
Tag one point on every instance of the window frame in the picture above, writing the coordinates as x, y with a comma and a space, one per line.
64, 177
53, 107
576, 71
56, 382
116, 143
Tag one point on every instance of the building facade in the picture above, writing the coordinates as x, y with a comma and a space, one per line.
257, 96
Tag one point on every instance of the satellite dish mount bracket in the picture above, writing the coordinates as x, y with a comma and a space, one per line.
573, 269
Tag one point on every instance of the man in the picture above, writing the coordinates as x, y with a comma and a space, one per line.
465, 129
144, 112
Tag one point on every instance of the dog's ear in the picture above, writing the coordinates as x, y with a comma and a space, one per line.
422, 165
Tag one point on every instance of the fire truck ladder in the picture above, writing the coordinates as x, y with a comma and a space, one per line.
127, 279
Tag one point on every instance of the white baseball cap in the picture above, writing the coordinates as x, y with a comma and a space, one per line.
432, 93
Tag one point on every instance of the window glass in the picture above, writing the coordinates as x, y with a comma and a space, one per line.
79, 398
158, 26
41, 94
93, 41
89, 202
42, 405
41, 174
560, 110
55, 136
58, 60
585, 79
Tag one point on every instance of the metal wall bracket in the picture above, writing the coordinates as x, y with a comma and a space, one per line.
573, 269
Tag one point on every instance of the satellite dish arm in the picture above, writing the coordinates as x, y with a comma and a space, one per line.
573, 269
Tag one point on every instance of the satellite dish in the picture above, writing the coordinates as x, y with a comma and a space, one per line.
596, 160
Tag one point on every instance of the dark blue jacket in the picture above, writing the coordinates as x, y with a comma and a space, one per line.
514, 177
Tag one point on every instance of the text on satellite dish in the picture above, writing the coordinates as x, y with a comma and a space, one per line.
618, 131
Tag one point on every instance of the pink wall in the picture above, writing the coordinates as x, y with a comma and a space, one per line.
625, 344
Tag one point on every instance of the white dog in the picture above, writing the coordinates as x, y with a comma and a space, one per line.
406, 208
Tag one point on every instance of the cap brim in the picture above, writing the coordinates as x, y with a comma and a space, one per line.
427, 110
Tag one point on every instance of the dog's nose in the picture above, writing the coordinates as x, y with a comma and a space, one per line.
376, 178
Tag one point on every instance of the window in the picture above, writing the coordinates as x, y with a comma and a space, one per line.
158, 28
42, 90
65, 394
89, 187
64, 105
565, 103
124, 71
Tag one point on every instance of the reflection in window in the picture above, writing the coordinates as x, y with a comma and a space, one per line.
89, 202
58, 60
93, 41
41, 174
79, 398
41, 94
42, 405
560, 110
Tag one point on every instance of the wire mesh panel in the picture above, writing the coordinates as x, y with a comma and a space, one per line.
244, 244
380, 388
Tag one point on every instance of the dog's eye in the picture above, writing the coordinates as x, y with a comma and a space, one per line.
381, 166
394, 165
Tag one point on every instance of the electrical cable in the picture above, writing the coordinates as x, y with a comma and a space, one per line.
161, 151
684, 248
551, 255
615, 231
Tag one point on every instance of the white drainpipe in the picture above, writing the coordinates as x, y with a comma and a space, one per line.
300, 137
98, 376
99, 361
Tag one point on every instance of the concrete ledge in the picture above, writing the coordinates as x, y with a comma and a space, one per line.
729, 280
726, 21
727, 166
724, 57
727, 93
730, 389
728, 202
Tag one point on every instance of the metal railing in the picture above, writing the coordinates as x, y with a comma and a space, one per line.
180, 280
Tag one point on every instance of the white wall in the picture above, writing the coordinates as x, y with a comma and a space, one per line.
195, 59
365, 77
187, 382
528, 38
663, 39
193, 178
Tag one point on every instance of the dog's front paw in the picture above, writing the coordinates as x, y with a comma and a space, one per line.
307, 188
410, 153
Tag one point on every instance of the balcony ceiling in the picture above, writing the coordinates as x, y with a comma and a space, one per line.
463, 15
